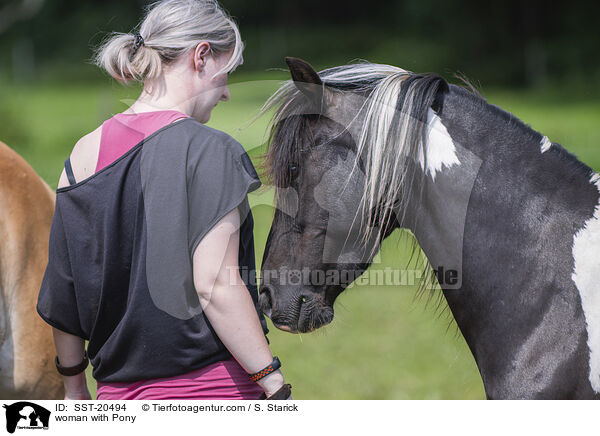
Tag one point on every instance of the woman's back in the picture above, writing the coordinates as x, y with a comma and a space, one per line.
112, 139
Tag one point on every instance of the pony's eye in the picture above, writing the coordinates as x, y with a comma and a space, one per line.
293, 171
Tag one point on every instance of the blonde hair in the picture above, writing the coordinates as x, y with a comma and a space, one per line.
169, 29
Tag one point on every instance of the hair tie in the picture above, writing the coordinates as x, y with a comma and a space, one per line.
139, 41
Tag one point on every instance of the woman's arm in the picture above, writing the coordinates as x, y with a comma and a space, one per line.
70, 350
227, 302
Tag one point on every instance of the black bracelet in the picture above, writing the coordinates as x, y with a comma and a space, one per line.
73, 370
273, 366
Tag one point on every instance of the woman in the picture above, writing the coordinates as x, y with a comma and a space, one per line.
152, 225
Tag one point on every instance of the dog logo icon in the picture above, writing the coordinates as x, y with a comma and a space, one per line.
26, 415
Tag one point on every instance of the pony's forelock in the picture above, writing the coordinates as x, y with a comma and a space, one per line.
391, 129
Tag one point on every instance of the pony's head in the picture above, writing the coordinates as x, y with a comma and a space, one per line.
344, 155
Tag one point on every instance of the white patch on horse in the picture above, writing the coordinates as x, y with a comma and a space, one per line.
545, 144
586, 245
440, 148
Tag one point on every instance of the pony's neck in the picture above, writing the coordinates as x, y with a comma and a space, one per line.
437, 211
468, 134
504, 218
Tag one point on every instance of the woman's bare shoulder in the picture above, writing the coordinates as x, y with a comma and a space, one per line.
84, 157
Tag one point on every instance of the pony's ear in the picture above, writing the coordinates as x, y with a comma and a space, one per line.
306, 80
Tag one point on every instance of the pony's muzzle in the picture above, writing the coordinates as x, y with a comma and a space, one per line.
297, 311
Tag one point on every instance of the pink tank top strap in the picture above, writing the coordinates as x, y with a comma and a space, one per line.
123, 131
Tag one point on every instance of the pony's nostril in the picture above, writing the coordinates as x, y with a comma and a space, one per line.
267, 295
266, 300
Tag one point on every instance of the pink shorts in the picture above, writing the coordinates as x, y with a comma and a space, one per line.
224, 380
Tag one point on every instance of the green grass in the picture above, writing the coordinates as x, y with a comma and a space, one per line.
383, 343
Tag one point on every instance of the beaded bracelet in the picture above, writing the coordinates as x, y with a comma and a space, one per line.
273, 366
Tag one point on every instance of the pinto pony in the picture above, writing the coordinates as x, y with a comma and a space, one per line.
508, 220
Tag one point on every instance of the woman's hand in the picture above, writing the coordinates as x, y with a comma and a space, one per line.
276, 387
272, 382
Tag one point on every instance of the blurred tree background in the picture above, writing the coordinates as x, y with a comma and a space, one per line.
535, 59
510, 43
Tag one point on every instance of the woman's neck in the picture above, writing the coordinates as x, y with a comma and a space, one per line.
143, 105
164, 93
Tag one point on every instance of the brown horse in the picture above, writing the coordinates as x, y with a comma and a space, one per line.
27, 351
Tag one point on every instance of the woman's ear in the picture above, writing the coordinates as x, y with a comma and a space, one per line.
201, 53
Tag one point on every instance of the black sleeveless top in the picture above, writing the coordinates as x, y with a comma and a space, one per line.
119, 272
